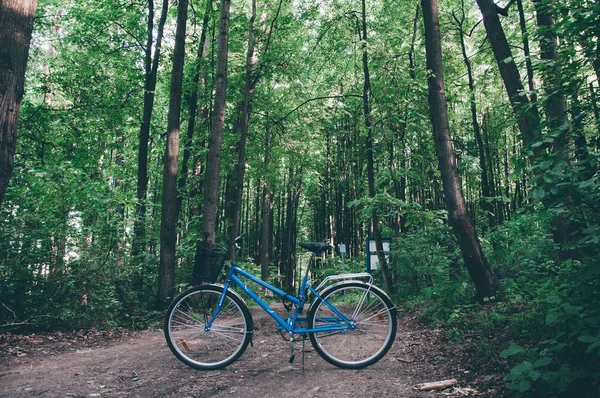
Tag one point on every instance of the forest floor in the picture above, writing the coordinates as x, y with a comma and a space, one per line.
97, 363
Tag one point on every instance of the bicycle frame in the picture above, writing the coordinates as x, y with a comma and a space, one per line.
289, 325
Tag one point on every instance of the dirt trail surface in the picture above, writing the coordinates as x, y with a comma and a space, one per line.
102, 364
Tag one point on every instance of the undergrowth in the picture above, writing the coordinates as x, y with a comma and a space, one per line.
544, 335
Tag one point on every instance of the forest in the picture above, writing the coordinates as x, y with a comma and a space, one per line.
139, 138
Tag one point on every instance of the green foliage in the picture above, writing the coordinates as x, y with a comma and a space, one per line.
335, 266
66, 231
557, 315
546, 331
426, 259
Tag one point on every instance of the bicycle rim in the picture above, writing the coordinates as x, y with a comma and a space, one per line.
222, 343
369, 310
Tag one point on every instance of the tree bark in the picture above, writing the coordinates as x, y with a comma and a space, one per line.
266, 210
168, 225
555, 107
485, 183
526, 52
484, 279
526, 113
16, 26
240, 167
556, 103
596, 114
288, 250
192, 104
383, 265
596, 59
151, 70
203, 268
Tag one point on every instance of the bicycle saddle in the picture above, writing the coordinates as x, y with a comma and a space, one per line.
315, 247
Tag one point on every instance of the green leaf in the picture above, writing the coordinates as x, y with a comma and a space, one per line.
571, 309
513, 349
553, 300
535, 374
551, 318
593, 347
542, 362
587, 339
522, 368
524, 385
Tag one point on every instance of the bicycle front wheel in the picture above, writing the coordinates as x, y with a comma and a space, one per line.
371, 314
216, 346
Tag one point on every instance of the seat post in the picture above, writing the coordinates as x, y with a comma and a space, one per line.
310, 260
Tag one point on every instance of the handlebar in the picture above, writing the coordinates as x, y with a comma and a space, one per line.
236, 240
236, 246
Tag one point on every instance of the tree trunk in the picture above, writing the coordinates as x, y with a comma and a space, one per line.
526, 52
192, 104
486, 284
151, 70
596, 60
596, 114
329, 194
526, 113
240, 167
168, 226
291, 229
369, 147
556, 103
266, 211
17, 18
202, 268
485, 184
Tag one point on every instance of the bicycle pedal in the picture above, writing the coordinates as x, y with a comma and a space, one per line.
292, 358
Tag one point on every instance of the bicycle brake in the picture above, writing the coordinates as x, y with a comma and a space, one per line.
288, 307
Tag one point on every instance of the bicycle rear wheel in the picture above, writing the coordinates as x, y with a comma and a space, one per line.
369, 309
213, 348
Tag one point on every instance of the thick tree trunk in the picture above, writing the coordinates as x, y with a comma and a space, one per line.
526, 113
203, 267
168, 225
16, 26
486, 284
151, 70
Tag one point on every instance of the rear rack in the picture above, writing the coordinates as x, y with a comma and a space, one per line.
368, 278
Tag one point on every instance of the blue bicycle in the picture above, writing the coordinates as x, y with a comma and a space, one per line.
351, 323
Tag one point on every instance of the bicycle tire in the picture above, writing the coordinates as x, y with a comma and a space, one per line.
367, 307
217, 347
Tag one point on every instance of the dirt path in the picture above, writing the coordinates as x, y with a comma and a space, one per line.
141, 365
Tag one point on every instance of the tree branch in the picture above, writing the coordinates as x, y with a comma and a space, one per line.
317, 99
504, 11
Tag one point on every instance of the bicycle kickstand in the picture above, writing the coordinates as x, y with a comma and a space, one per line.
292, 353
303, 341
